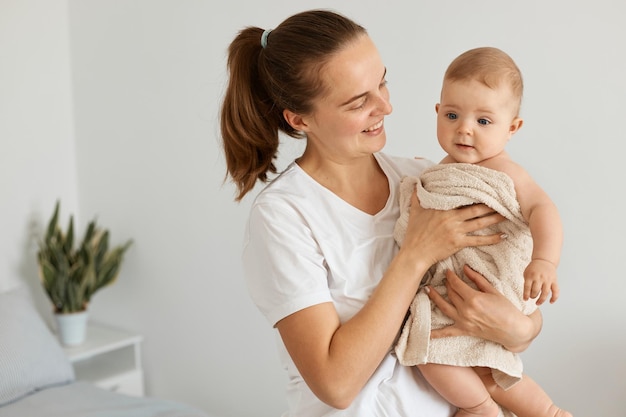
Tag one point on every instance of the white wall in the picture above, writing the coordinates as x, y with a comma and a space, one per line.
37, 163
147, 81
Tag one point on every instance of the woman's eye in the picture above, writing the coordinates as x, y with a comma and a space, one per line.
360, 105
451, 116
483, 122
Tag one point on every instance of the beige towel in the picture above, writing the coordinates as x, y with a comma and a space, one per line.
445, 187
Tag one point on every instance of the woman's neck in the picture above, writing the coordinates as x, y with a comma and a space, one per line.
360, 182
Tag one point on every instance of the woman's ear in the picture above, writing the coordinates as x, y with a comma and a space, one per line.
437, 108
295, 120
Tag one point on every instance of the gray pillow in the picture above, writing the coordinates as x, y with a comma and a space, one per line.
31, 358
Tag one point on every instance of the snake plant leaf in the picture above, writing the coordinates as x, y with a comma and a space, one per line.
69, 236
72, 275
52, 225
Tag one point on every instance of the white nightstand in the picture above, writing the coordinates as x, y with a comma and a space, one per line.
110, 358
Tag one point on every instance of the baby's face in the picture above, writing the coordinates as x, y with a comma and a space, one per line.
474, 121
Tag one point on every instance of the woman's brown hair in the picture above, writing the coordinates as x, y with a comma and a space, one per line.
266, 80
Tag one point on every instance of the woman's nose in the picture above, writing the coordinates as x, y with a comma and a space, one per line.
384, 105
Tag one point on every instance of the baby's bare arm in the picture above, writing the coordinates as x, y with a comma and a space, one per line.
545, 226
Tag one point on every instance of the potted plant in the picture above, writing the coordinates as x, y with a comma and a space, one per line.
71, 274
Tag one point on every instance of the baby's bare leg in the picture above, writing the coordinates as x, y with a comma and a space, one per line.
525, 399
462, 387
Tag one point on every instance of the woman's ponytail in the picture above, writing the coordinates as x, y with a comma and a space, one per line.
271, 71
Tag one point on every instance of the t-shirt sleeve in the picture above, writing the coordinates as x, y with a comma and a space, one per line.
283, 265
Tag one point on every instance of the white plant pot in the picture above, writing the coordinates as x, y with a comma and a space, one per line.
72, 328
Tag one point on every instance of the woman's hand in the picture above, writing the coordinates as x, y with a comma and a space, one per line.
434, 235
484, 313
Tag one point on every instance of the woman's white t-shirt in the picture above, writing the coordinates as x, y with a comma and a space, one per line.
305, 246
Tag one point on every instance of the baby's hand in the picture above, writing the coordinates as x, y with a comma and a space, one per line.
540, 280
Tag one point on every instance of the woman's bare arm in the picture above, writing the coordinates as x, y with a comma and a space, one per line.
336, 359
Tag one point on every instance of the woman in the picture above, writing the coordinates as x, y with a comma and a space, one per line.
320, 259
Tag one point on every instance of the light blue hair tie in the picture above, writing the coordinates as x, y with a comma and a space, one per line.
264, 36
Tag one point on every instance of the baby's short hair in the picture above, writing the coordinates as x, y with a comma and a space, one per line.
488, 65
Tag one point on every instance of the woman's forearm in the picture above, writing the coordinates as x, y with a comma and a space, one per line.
336, 359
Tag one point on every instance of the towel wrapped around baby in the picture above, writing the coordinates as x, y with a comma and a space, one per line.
445, 187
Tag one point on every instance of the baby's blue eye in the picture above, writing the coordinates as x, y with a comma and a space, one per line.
484, 122
451, 116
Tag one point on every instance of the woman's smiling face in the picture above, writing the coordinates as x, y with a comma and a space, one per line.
348, 120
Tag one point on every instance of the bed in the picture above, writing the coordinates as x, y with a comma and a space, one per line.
37, 379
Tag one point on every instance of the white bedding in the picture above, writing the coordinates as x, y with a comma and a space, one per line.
82, 399
37, 379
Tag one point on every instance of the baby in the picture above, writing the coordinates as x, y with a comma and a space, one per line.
477, 115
